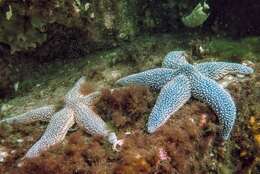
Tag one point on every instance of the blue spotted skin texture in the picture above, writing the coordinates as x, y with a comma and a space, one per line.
217, 70
172, 97
213, 70
174, 59
77, 109
185, 81
40, 114
208, 91
155, 78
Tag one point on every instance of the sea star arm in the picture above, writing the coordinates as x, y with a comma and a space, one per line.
39, 114
90, 98
171, 98
55, 132
88, 120
217, 70
74, 93
154, 78
174, 59
218, 99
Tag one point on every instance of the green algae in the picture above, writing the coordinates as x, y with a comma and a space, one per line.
127, 22
197, 17
223, 169
246, 49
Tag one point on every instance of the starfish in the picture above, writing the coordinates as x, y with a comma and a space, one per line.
179, 81
77, 109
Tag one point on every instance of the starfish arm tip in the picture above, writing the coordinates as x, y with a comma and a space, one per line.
217, 70
54, 133
218, 99
174, 59
150, 128
116, 146
40, 114
154, 78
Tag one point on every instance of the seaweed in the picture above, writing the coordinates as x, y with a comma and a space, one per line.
187, 143
125, 106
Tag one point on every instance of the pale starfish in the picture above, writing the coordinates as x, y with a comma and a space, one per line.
77, 109
180, 80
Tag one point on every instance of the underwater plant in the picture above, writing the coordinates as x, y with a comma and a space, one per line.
197, 17
77, 109
179, 81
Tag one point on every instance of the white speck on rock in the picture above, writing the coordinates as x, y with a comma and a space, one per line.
20, 164
128, 133
3, 154
19, 140
240, 75
16, 86
92, 15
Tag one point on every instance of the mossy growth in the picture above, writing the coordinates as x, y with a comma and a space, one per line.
127, 19
242, 49
27, 25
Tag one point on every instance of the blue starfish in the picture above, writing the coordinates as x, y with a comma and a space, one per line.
179, 80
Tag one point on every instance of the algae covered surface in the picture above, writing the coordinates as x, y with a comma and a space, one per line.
187, 143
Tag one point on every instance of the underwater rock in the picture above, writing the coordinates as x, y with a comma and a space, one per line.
27, 24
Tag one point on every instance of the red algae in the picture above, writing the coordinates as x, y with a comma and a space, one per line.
125, 106
187, 145
87, 88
